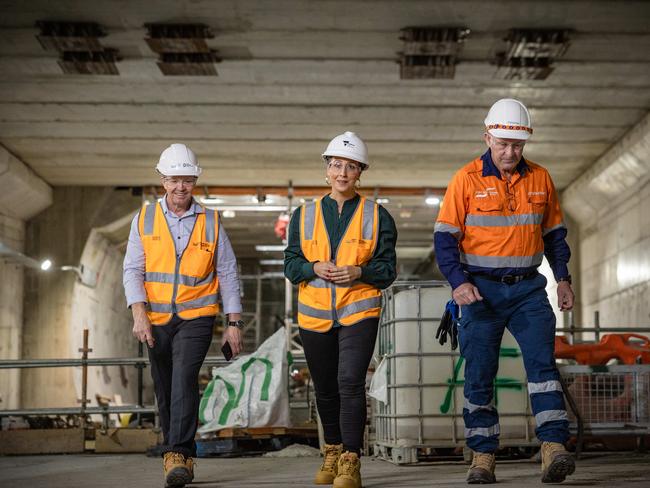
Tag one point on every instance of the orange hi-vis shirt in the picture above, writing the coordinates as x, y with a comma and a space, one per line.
499, 224
186, 285
321, 302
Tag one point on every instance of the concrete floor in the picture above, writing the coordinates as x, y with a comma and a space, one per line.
97, 471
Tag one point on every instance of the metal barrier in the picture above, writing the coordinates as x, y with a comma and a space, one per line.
84, 362
609, 400
415, 418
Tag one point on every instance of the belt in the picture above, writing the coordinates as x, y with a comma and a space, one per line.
506, 279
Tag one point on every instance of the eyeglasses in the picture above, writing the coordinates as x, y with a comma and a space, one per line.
339, 167
515, 146
180, 181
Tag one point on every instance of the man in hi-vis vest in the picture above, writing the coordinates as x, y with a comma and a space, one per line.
177, 260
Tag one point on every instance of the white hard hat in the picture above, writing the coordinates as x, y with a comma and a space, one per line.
178, 160
348, 145
509, 119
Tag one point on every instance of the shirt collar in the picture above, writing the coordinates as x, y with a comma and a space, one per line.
490, 169
195, 208
328, 200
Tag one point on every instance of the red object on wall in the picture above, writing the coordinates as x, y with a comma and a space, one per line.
281, 226
611, 346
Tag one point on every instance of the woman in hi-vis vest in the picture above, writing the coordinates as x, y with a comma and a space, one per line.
341, 253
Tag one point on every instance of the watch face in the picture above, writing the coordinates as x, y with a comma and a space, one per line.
239, 324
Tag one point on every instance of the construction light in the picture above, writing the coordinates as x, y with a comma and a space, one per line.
269, 248
46, 264
432, 201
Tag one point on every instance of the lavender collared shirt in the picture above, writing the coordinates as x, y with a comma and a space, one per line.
181, 229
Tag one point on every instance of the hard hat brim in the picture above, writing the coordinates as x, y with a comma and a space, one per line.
509, 134
180, 172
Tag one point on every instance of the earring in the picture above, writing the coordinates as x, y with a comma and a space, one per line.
357, 183
327, 180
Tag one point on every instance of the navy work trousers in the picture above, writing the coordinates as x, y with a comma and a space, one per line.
176, 358
524, 309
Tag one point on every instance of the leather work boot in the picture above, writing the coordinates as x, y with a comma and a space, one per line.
349, 471
557, 463
327, 471
481, 472
189, 463
176, 472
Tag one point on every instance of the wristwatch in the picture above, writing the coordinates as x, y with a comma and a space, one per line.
236, 323
567, 278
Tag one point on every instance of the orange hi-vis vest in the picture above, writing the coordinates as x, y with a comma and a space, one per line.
322, 302
499, 223
186, 285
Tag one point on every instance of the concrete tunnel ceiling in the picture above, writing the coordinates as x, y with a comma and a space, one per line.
295, 73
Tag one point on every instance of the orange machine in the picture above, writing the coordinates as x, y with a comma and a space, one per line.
627, 348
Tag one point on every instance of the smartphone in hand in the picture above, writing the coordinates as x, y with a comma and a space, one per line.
227, 351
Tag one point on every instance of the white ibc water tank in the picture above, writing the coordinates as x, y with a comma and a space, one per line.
426, 379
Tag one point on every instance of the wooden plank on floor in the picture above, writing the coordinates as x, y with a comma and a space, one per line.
42, 441
125, 440
257, 432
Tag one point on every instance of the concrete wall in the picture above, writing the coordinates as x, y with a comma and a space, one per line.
56, 308
611, 201
12, 233
615, 264
102, 310
23, 194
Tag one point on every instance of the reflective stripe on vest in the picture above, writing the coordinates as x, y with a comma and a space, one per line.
321, 302
500, 223
186, 285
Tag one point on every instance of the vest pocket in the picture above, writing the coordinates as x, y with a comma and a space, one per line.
364, 251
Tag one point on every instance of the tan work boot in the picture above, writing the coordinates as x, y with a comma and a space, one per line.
175, 468
349, 471
481, 472
189, 463
327, 471
557, 463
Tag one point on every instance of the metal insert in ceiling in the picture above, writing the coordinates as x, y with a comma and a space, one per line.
182, 49
89, 62
430, 52
178, 38
531, 53
79, 48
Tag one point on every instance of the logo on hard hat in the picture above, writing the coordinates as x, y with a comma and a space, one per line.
348, 143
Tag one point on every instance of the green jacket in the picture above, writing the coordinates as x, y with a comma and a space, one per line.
379, 271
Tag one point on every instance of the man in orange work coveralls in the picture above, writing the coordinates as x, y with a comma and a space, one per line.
500, 217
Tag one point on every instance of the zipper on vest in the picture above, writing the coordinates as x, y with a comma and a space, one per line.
175, 289
335, 316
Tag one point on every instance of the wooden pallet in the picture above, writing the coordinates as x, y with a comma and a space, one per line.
265, 432
233, 442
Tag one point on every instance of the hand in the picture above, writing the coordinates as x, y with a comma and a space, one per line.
346, 274
565, 296
324, 269
141, 325
466, 294
232, 335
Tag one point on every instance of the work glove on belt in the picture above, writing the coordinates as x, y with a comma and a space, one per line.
449, 325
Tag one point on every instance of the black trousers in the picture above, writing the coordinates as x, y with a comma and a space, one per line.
176, 358
338, 362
